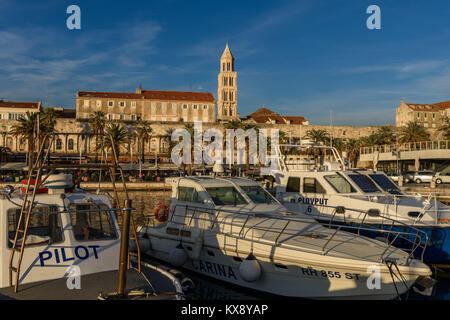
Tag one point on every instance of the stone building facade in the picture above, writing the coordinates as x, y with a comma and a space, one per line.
149, 105
428, 115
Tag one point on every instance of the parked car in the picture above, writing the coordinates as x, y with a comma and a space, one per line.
423, 176
408, 175
442, 177
394, 177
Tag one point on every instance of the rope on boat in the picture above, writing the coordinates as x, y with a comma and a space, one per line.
401, 278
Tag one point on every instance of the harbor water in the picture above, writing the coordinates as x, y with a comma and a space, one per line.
145, 203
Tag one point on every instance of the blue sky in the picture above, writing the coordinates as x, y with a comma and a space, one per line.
294, 57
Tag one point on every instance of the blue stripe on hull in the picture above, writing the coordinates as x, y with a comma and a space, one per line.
436, 251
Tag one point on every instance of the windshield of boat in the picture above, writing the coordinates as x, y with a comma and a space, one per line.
225, 196
385, 184
339, 183
258, 195
364, 183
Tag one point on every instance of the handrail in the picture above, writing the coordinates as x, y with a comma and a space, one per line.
395, 198
409, 146
418, 239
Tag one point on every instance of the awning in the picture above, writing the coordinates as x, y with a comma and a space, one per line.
13, 166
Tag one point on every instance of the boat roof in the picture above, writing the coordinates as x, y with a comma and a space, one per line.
211, 182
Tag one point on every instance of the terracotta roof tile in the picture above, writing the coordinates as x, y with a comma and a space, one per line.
14, 104
153, 95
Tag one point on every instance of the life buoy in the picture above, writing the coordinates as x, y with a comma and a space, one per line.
161, 213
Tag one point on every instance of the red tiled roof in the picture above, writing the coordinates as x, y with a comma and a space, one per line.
264, 115
431, 107
443, 105
295, 119
14, 104
152, 95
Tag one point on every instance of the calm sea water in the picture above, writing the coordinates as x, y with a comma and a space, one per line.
145, 203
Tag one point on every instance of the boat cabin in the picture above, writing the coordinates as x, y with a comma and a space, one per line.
221, 193
65, 230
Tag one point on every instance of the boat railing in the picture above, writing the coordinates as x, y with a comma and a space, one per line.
430, 204
194, 214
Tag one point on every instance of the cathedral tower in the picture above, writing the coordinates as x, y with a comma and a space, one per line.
227, 88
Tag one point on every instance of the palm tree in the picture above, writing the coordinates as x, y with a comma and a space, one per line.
318, 135
238, 124
385, 135
168, 135
115, 136
352, 147
143, 133
444, 128
97, 121
413, 132
26, 128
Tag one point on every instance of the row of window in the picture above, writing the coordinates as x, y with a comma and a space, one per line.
226, 66
195, 107
98, 103
227, 81
133, 104
12, 116
425, 115
228, 96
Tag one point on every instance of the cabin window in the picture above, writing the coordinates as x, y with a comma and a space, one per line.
311, 185
188, 194
258, 194
339, 183
226, 196
364, 183
92, 225
44, 226
293, 184
385, 184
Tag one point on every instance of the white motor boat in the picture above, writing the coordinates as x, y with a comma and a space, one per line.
71, 248
329, 192
233, 230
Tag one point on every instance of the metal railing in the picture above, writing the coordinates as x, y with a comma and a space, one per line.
430, 204
410, 146
190, 217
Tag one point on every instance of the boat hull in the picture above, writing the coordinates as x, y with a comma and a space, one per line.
303, 279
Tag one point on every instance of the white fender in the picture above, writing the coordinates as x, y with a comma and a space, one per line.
250, 269
178, 256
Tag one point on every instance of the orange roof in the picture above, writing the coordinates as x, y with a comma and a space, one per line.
443, 105
152, 95
25, 105
264, 115
431, 107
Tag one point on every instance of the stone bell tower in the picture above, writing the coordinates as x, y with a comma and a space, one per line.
227, 88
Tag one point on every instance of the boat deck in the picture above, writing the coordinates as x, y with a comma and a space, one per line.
162, 287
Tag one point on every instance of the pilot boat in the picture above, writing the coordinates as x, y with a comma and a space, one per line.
233, 230
71, 248
329, 192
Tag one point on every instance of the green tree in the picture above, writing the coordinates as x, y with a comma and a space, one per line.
413, 132
25, 128
115, 137
143, 133
444, 128
317, 135
97, 121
